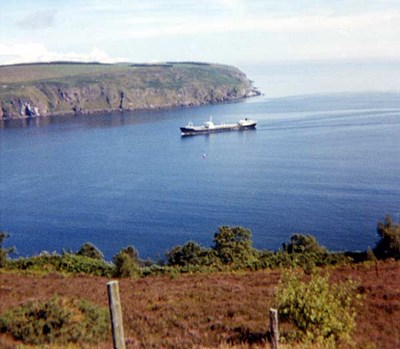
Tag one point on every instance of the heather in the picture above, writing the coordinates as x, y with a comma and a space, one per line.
215, 297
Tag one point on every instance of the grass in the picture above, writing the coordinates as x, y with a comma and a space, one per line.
27, 73
218, 310
91, 73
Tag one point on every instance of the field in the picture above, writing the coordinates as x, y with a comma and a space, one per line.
217, 310
89, 72
26, 73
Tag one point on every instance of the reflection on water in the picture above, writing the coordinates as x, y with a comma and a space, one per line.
91, 120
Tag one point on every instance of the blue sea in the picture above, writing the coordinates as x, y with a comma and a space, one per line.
321, 164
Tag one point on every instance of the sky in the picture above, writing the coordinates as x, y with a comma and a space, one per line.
224, 31
237, 32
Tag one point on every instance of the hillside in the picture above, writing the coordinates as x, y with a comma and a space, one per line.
207, 310
62, 88
208, 298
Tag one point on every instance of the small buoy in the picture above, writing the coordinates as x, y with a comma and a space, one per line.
204, 155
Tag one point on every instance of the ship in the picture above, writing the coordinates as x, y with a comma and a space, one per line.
210, 127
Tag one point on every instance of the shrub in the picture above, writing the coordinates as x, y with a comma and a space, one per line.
233, 249
305, 252
370, 255
71, 263
300, 243
233, 246
190, 254
126, 262
91, 251
153, 270
4, 252
389, 244
307, 261
66, 263
57, 321
319, 311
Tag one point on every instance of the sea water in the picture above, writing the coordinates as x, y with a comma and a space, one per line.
326, 165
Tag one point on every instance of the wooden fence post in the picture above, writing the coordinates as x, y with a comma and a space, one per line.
116, 315
273, 328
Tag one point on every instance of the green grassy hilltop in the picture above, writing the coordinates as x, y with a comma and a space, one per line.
28, 90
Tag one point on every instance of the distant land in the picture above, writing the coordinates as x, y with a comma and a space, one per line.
69, 88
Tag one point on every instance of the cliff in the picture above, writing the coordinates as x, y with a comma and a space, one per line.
63, 88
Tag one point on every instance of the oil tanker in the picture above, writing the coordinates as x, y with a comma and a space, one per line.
210, 127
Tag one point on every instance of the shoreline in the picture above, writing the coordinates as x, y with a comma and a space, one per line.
90, 89
94, 112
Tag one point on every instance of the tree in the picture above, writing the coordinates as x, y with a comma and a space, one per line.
126, 262
189, 254
4, 252
233, 246
389, 244
91, 251
300, 243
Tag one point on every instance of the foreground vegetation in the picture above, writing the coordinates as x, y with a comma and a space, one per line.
318, 307
56, 321
222, 310
318, 312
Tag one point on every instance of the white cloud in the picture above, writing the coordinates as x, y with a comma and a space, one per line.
38, 52
295, 24
364, 35
41, 19
213, 30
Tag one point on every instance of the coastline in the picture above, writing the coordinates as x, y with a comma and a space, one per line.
32, 120
166, 107
117, 88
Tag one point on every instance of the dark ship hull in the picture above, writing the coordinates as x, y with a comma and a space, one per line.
209, 127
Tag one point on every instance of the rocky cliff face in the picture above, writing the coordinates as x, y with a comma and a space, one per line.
117, 87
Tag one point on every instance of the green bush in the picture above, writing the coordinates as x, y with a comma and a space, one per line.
305, 252
57, 321
319, 312
233, 247
65, 263
300, 243
71, 263
153, 270
308, 261
190, 254
4, 252
233, 250
126, 262
91, 251
389, 244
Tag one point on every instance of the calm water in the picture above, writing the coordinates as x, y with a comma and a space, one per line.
325, 165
